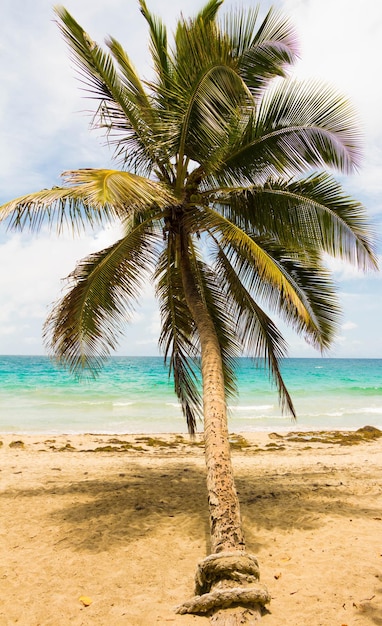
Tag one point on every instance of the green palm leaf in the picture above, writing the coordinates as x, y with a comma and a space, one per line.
262, 52
119, 189
209, 12
158, 47
123, 108
243, 246
92, 197
257, 333
178, 338
313, 282
298, 126
59, 206
84, 326
208, 91
308, 212
308, 305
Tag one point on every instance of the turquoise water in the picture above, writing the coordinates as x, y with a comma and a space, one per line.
134, 395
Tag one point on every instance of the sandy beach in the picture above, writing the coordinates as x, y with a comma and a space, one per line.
119, 524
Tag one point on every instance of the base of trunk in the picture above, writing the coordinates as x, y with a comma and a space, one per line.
238, 616
223, 598
228, 580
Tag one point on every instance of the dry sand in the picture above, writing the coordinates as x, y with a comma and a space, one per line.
126, 525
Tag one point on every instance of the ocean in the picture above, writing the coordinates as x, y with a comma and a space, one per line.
135, 395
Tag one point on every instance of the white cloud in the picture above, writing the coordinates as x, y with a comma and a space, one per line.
349, 326
344, 271
33, 278
152, 325
340, 45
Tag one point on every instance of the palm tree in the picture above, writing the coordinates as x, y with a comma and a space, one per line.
225, 202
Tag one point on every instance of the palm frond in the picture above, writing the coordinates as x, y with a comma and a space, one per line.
94, 64
158, 46
123, 108
84, 326
91, 197
211, 113
62, 207
257, 333
311, 123
209, 11
178, 338
262, 52
239, 25
269, 273
118, 188
303, 271
314, 282
311, 212
129, 76
298, 126
208, 88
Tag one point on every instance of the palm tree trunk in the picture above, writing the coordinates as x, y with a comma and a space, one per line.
226, 528
233, 567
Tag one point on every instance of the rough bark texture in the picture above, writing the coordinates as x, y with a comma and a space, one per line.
225, 580
224, 598
227, 584
236, 617
226, 528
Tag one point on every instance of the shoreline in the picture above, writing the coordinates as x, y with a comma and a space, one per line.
252, 432
146, 441
126, 524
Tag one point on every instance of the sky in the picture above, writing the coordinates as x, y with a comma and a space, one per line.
44, 130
